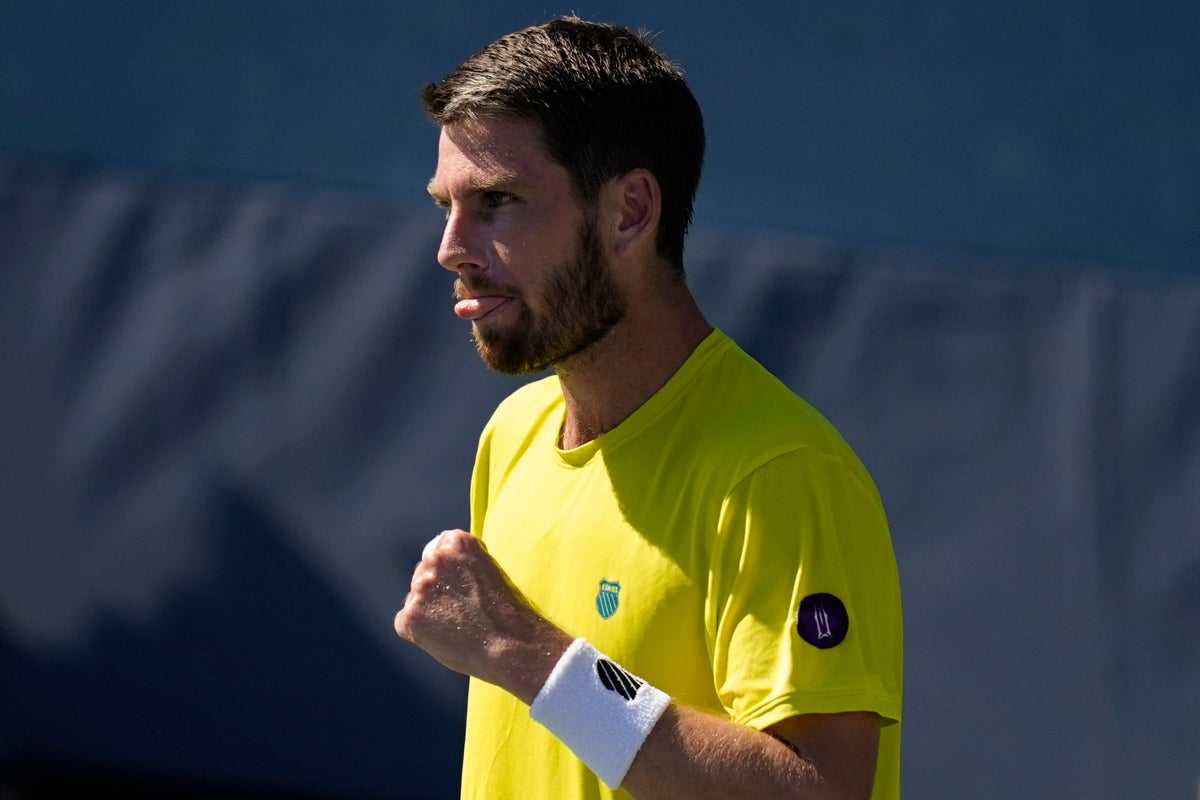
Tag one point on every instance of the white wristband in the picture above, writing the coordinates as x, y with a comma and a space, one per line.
598, 710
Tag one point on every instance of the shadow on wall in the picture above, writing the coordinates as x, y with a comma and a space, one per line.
258, 677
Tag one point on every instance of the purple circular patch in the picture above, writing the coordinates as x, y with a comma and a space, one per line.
822, 621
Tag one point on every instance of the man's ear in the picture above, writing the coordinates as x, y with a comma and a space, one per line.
637, 206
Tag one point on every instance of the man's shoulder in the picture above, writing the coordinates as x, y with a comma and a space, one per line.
751, 416
543, 391
526, 406
741, 394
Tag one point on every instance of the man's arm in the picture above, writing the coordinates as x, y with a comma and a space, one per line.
691, 754
463, 611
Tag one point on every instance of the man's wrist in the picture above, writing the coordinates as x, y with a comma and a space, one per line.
523, 666
598, 710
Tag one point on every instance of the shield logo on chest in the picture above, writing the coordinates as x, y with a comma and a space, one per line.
608, 598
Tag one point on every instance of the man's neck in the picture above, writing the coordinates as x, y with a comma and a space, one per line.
606, 383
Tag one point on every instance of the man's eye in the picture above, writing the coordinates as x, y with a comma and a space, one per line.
497, 199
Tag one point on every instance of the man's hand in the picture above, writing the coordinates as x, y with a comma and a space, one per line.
463, 610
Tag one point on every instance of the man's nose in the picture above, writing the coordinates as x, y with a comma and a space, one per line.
460, 248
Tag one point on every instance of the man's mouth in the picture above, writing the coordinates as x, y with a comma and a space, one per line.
477, 307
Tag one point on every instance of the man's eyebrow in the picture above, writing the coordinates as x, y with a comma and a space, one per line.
494, 182
437, 194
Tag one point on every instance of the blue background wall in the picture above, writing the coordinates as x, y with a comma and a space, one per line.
236, 404
1061, 128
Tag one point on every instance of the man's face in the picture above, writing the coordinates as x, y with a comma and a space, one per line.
532, 275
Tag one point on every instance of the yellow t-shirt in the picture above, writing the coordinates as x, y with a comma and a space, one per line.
722, 543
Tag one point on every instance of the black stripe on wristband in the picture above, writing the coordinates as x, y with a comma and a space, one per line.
617, 680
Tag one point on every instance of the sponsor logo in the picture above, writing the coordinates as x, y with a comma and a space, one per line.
822, 621
608, 598
618, 680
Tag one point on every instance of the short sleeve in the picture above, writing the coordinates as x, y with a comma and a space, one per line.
803, 612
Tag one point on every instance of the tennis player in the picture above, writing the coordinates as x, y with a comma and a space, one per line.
679, 580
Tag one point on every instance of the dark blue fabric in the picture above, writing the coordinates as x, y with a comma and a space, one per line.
233, 415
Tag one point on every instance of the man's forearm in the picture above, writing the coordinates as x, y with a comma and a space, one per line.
632, 735
695, 755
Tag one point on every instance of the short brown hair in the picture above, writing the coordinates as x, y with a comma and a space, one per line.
606, 100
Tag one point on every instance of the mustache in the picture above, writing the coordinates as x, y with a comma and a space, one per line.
472, 286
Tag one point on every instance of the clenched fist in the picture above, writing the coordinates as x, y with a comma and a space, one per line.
463, 610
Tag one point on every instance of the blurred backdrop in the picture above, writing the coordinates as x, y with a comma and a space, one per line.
236, 403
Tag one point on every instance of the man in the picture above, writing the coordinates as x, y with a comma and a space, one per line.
680, 582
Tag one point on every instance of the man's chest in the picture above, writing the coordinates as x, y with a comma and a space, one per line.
629, 580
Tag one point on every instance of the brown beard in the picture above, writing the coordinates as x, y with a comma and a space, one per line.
582, 303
